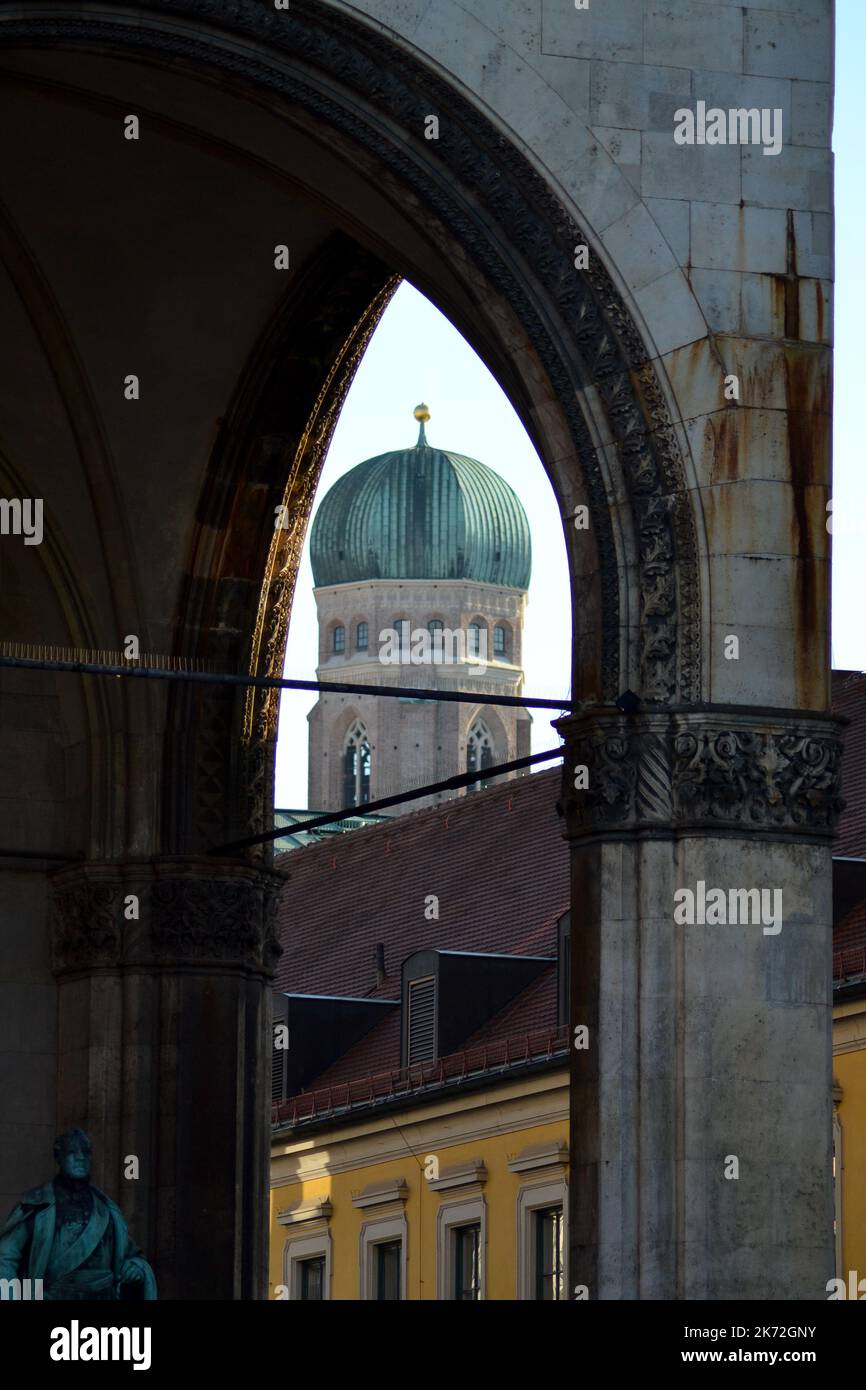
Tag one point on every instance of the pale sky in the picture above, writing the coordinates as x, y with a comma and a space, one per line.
416, 355
849, 483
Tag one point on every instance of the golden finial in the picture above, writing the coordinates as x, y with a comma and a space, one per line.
422, 413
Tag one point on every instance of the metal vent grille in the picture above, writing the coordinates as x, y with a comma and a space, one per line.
421, 1031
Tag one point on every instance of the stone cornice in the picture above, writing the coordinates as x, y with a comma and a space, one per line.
720, 769
317, 1209
369, 1140
377, 1194
471, 1172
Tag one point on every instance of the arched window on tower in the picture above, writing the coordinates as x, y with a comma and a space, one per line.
434, 627
339, 639
362, 637
479, 752
403, 629
474, 646
356, 767
500, 642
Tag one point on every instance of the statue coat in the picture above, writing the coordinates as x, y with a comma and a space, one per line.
28, 1238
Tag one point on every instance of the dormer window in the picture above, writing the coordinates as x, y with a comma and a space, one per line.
447, 996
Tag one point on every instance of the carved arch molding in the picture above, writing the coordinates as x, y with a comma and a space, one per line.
485, 192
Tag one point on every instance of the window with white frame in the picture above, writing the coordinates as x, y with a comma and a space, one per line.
838, 1169
307, 1264
312, 1279
542, 1225
382, 1261
548, 1226
461, 1241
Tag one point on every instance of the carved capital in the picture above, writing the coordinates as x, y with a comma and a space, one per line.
718, 769
164, 914
86, 913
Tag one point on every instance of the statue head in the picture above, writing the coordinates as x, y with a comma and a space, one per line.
72, 1152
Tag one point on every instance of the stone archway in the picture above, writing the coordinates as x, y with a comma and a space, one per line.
679, 787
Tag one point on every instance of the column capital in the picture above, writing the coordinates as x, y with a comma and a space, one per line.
711, 768
166, 913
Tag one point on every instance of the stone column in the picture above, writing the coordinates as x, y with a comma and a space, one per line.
701, 1106
163, 970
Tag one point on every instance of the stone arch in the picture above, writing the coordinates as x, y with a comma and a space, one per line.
485, 230
576, 366
331, 636
358, 616
487, 715
507, 628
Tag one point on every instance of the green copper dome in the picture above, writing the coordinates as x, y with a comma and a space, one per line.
421, 513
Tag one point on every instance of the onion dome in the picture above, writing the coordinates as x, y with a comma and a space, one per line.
421, 513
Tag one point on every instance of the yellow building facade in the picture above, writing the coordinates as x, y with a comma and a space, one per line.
849, 1132
455, 1196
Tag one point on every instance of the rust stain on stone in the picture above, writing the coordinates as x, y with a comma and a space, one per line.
807, 396
724, 440
780, 308
819, 312
792, 286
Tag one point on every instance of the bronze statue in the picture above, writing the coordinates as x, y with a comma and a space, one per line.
72, 1237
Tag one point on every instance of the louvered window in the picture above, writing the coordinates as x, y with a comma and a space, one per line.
421, 1029
279, 1055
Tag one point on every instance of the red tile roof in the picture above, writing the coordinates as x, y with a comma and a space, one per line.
334, 1099
499, 868
849, 934
530, 1012
849, 944
849, 700
495, 860
497, 864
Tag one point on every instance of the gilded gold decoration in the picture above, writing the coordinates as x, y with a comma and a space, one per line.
275, 600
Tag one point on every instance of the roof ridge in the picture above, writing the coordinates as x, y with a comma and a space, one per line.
456, 805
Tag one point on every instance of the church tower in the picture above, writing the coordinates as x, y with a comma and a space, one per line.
421, 561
